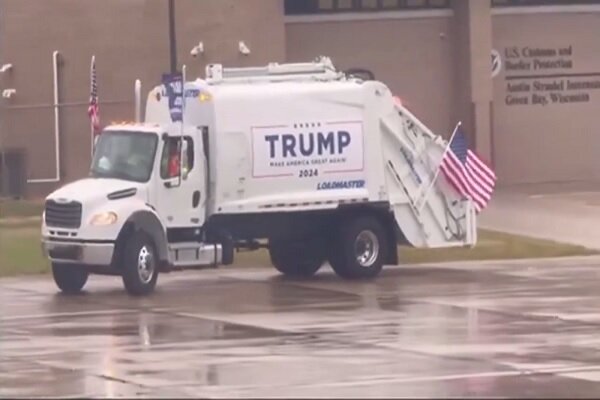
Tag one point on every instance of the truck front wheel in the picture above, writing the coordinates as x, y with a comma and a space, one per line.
297, 258
360, 248
139, 265
69, 278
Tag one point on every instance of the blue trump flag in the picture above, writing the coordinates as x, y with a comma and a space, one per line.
173, 84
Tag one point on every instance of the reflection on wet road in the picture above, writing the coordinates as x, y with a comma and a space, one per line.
521, 329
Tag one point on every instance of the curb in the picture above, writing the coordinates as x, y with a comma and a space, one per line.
530, 234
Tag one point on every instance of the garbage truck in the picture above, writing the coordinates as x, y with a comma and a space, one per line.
311, 165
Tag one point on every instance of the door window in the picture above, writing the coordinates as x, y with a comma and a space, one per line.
169, 163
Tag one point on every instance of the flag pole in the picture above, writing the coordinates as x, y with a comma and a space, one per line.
183, 78
426, 193
92, 130
93, 103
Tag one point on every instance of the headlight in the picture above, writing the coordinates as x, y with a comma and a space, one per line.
105, 218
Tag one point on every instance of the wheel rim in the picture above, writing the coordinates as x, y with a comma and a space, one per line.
366, 248
145, 264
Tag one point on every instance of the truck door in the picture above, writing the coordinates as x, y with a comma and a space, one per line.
181, 195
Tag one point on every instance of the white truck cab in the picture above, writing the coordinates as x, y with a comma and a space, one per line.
314, 165
121, 214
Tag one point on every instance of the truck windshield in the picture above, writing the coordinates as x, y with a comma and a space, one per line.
124, 155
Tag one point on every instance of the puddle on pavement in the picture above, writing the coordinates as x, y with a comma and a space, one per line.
147, 328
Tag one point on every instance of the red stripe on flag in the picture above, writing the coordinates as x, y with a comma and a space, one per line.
452, 169
473, 180
484, 182
482, 166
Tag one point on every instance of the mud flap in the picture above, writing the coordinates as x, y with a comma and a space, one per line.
227, 250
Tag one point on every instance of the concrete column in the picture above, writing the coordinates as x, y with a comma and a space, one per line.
473, 22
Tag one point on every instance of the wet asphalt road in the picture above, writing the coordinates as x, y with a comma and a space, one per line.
520, 329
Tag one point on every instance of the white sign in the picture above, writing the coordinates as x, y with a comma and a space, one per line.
496, 63
307, 149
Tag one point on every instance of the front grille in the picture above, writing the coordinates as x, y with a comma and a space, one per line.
63, 215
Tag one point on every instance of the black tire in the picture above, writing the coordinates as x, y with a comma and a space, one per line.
139, 281
297, 258
70, 278
343, 255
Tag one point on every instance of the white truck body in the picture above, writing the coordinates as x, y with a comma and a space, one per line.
278, 152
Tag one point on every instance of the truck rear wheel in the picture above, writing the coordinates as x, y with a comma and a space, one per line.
139, 265
69, 278
360, 248
297, 258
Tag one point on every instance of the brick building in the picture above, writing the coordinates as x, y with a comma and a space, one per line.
523, 76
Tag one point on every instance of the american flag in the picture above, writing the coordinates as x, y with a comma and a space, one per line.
93, 111
470, 176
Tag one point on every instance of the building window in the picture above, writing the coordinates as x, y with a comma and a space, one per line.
514, 3
297, 7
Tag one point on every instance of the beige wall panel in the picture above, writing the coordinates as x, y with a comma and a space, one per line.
537, 137
221, 24
414, 57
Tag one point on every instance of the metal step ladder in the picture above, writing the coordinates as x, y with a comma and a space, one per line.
431, 212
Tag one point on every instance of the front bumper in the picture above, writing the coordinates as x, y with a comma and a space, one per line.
78, 252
